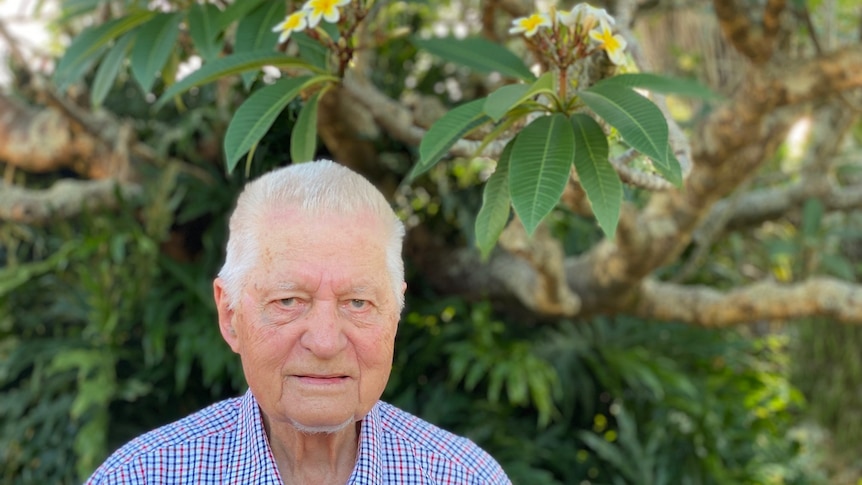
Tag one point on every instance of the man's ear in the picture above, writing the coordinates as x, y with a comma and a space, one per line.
226, 315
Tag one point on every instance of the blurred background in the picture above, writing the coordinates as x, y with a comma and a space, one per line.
744, 369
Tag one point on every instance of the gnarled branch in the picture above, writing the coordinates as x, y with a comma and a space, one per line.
818, 297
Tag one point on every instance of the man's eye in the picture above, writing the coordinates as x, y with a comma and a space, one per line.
358, 304
288, 301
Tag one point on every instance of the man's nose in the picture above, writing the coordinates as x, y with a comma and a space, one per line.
324, 335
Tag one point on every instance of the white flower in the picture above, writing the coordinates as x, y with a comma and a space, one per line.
587, 16
530, 25
294, 22
328, 9
613, 44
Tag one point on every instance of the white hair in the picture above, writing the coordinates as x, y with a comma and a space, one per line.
313, 187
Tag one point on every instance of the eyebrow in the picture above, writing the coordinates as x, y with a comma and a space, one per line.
290, 285
362, 289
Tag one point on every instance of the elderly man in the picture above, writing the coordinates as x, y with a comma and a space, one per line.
309, 297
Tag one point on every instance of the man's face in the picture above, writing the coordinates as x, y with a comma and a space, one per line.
315, 325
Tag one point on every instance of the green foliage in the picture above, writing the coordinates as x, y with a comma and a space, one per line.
234, 64
477, 53
542, 155
254, 33
256, 115
456, 123
639, 121
663, 84
203, 28
619, 401
686, 405
103, 337
109, 69
89, 46
494, 213
597, 176
303, 138
63, 337
154, 43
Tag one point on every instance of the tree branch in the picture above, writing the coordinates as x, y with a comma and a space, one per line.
703, 306
65, 198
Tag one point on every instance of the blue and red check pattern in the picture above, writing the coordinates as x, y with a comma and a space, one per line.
226, 443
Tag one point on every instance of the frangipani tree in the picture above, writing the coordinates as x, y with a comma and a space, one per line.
577, 120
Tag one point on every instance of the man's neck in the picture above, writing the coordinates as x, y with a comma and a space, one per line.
313, 458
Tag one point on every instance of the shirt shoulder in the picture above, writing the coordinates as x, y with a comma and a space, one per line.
444, 456
188, 439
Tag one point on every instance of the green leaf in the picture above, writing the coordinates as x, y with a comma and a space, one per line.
542, 156
477, 371
508, 97
154, 43
517, 385
203, 28
91, 43
456, 123
311, 50
496, 206
254, 33
662, 84
639, 121
477, 53
608, 452
13, 277
256, 115
303, 138
70, 9
108, 69
496, 378
236, 11
230, 65
598, 178
812, 219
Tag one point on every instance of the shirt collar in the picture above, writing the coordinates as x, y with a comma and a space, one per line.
369, 468
253, 451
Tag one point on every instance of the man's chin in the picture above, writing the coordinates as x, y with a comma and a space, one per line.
322, 429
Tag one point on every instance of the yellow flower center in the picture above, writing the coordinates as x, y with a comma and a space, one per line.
609, 42
532, 22
323, 6
293, 21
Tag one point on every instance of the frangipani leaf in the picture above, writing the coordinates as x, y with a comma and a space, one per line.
109, 68
256, 115
203, 27
507, 97
236, 11
254, 33
91, 43
311, 50
303, 138
640, 123
542, 156
662, 84
478, 54
496, 206
598, 178
154, 43
456, 123
230, 65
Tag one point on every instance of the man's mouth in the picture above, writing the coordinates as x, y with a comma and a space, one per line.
322, 379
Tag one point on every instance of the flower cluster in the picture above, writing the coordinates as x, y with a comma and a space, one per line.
584, 27
309, 16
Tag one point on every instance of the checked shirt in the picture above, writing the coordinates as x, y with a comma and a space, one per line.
226, 444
